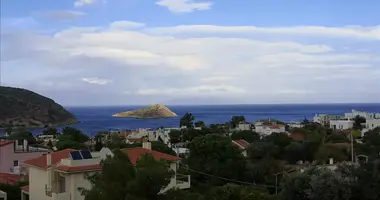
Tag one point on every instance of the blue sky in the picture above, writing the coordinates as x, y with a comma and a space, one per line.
81, 52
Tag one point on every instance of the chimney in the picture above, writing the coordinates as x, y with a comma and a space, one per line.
147, 145
48, 159
331, 161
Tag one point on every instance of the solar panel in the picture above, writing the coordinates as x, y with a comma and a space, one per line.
75, 155
86, 154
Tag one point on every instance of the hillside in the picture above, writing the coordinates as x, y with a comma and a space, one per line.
24, 108
153, 111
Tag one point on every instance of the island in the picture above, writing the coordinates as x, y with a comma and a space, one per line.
24, 108
151, 112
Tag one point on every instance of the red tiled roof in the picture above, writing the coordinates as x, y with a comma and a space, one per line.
5, 142
25, 188
135, 153
9, 178
241, 144
95, 167
125, 133
275, 127
55, 158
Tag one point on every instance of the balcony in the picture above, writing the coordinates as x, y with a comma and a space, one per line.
182, 181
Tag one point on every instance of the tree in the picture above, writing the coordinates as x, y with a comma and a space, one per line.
260, 150
316, 184
249, 136
163, 148
294, 152
187, 120
358, 120
98, 143
23, 134
50, 144
200, 124
50, 131
215, 155
235, 120
13, 191
75, 134
175, 136
120, 180
236, 192
71, 138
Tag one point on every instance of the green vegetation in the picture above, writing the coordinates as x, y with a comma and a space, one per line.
24, 108
153, 111
13, 191
71, 138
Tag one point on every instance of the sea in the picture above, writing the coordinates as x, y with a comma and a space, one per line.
96, 119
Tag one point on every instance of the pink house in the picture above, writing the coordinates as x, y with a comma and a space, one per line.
14, 153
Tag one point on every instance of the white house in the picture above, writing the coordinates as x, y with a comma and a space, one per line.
58, 175
268, 127
341, 124
295, 125
324, 119
366, 115
243, 127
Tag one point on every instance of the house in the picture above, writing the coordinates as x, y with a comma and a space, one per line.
58, 175
14, 153
3, 195
296, 125
341, 124
324, 119
268, 127
243, 145
243, 127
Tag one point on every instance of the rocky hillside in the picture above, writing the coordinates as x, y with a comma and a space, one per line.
153, 111
24, 108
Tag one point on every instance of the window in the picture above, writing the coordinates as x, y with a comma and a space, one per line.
62, 184
15, 163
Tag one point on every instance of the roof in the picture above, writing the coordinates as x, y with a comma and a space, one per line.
276, 126
25, 188
9, 178
135, 153
55, 158
82, 168
5, 142
242, 144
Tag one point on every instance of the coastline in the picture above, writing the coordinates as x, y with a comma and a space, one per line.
67, 123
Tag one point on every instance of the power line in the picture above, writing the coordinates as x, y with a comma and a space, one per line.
228, 179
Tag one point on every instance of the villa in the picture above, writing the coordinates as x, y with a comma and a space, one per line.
58, 175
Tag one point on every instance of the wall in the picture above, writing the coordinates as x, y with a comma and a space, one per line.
341, 124
76, 181
372, 123
38, 178
21, 157
6, 158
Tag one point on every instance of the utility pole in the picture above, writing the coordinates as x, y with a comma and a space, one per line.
352, 147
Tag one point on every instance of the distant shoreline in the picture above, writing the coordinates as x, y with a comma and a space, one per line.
42, 127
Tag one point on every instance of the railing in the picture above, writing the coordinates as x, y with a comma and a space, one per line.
182, 181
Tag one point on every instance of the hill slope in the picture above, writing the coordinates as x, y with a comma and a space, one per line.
153, 111
21, 107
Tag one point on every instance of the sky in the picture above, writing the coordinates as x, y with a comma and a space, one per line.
138, 52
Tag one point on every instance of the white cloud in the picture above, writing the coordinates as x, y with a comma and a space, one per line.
200, 90
359, 32
184, 6
64, 15
168, 66
80, 3
126, 25
97, 81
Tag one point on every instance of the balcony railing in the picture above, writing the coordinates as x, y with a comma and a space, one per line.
182, 181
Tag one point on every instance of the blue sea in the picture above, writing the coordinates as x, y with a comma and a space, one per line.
95, 119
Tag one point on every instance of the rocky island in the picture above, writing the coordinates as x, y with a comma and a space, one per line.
23, 108
153, 111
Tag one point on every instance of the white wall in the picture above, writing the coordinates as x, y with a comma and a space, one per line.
341, 124
38, 178
372, 123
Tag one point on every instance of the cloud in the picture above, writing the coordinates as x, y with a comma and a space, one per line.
126, 25
372, 33
184, 6
80, 3
147, 66
202, 89
64, 15
97, 81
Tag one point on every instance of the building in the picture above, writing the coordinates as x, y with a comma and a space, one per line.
324, 119
14, 153
341, 124
295, 125
244, 127
366, 115
242, 145
3, 195
58, 175
268, 127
